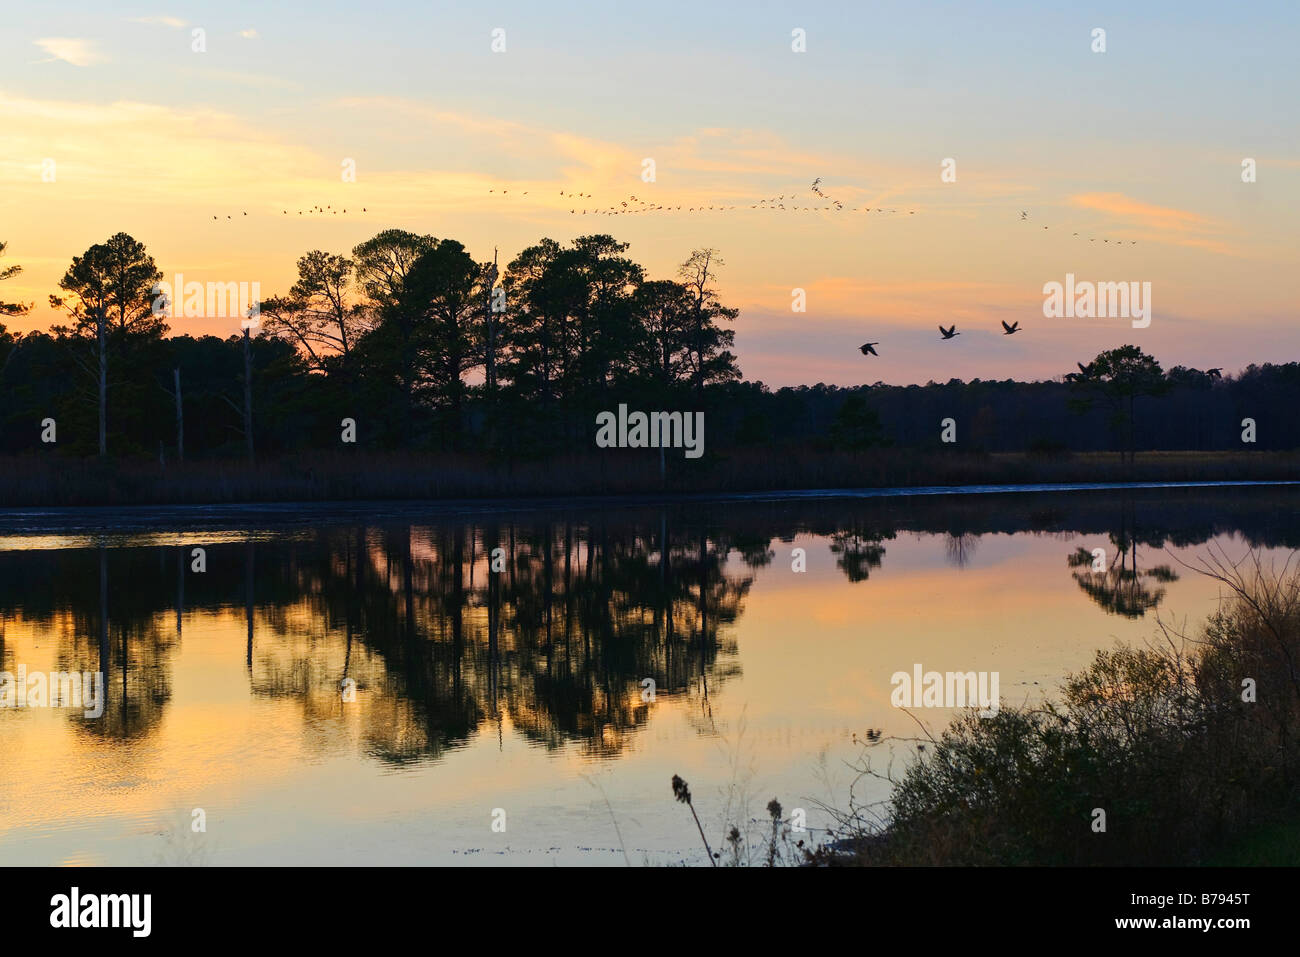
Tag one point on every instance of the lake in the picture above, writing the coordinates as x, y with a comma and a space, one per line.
358, 685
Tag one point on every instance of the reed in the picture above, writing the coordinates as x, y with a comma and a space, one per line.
56, 480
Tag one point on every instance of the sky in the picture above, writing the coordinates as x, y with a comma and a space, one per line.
1137, 149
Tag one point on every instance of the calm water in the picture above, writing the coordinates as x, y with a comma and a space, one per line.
521, 690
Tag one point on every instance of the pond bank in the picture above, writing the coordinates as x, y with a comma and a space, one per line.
54, 480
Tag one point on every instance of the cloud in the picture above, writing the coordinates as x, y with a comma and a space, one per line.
901, 302
72, 50
1126, 207
1179, 227
174, 22
733, 166
147, 152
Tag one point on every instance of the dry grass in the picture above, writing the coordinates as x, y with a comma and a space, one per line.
1189, 765
53, 479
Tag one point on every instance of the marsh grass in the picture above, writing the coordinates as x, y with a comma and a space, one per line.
1163, 738
54, 479
747, 840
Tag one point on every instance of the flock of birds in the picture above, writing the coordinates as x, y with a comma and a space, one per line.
634, 204
1024, 217
638, 205
868, 348
784, 202
309, 211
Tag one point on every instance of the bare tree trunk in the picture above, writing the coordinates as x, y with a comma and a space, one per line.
180, 417
491, 330
100, 323
248, 393
103, 619
248, 602
699, 326
180, 588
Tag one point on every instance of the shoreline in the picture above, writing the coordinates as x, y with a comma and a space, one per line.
460, 478
287, 514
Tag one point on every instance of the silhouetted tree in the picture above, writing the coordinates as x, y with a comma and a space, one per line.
711, 360
1118, 377
856, 425
8, 272
536, 335
317, 314
111, 295
665, 312
396, 313
444, 283
9, 341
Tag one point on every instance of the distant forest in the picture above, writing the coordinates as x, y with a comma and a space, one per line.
427, 349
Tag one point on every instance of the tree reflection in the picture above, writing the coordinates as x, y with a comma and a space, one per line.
860, 549
131, 647
543, 626
960, 548
1120, 587
555, 643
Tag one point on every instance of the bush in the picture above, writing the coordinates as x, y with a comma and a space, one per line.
1166, 740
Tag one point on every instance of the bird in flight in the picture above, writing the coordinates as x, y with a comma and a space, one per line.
1024, 215
949, 333
1214, 373
867, 349
1008, 330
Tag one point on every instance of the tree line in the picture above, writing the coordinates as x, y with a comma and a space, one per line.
425, 348
409, 336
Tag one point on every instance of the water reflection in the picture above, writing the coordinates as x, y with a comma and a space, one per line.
548, 624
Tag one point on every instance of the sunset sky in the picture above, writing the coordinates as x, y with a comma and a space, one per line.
1143, 142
